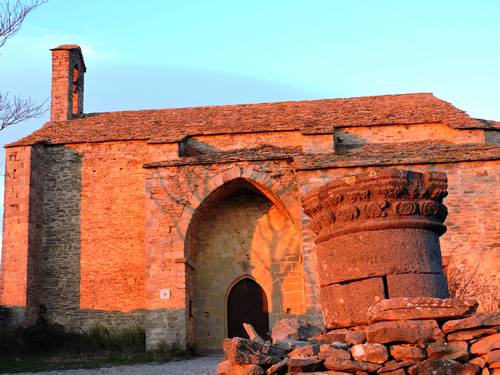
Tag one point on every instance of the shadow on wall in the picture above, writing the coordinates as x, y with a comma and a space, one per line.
57, 280
54, 248
235, 233
61, 276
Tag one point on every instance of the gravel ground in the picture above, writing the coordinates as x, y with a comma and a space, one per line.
195, 366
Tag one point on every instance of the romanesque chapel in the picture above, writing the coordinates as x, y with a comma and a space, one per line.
190, 221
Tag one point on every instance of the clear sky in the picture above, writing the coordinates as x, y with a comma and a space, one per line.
171, 53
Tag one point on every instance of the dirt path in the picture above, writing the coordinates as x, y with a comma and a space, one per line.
195, 366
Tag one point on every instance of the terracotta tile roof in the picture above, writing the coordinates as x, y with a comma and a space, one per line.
399, 154
315, 116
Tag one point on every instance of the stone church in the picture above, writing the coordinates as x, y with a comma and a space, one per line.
188, 221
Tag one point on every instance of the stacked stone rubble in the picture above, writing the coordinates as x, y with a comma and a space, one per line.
413, 336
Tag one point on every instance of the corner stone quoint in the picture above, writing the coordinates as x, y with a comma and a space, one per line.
181, 220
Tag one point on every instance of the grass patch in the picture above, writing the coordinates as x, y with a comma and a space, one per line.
45, 346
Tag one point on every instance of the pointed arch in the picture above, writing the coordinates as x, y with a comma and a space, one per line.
240, 225
281, 196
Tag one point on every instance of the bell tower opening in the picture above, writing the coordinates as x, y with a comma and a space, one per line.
76, 91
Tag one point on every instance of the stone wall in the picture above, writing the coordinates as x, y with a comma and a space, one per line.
415, 336
175, 194
86, 237
35, 232
14, 265
404, 133
100, 187
113, 233
59, 284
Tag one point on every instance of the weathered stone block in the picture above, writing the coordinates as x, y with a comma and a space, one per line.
244, 351
349, 365
228, 368
407, 352
279, 368
429, 285
399, 371
376, 353
294, 329
341, 337
303, 352
475, 321
486, 344
478, 361
382, 252
304, 364
346, 305
411, 331
392, 366
421, 308
493, 357
471, 334
456, 350
327, 351
443, 367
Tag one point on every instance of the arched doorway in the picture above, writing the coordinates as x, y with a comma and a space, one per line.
237, 232
247, 303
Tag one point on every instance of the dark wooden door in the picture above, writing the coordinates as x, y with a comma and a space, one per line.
247, 303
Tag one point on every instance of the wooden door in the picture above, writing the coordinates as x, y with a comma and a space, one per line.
247, 303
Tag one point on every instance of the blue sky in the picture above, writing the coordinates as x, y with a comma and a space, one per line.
171, 53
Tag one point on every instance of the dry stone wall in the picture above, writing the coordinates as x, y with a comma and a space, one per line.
416, 336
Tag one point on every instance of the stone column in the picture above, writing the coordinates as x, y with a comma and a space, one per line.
377, 237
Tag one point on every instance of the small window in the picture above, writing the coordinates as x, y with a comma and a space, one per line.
76, 78
76, 90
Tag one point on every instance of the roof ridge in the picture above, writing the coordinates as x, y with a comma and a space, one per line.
200, 107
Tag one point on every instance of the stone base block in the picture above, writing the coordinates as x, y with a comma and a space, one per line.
417, 285
346, 305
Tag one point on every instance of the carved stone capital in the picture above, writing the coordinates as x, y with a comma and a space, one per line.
387, 199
